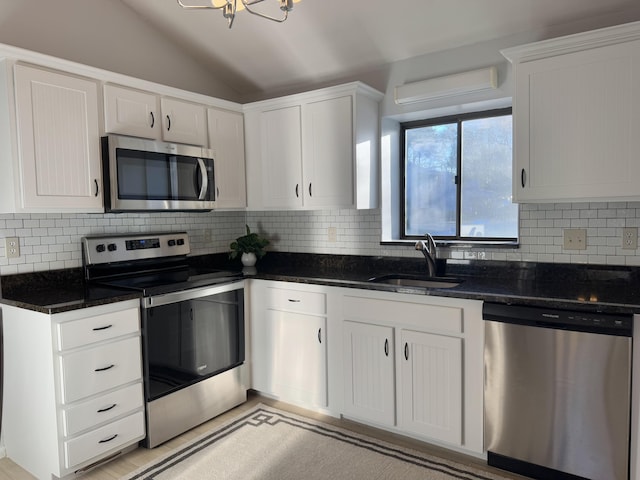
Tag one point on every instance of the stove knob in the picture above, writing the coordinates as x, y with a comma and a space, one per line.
181, 241
112, 247
172, 243
100, 248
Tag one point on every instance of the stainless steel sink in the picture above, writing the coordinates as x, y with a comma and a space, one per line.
416, 281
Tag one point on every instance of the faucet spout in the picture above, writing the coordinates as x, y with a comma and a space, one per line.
428, 249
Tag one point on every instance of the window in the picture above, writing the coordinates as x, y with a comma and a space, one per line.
457, 178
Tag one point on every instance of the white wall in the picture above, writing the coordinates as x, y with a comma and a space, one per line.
108, 35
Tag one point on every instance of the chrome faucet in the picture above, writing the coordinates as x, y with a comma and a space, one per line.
428, 249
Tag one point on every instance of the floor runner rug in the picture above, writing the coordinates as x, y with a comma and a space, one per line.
270, 444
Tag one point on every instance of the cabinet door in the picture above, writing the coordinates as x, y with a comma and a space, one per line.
281, 158
328, 153
430, 386
131, 112
59, 141
226, 139
296, 357
183, 122
576, 125
369, 388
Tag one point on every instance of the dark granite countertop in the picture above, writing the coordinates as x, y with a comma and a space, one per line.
580, 287
57, 291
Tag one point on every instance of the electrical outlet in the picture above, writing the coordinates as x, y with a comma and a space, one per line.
333, 234
207, 235
575, 239
12, 247
630, 238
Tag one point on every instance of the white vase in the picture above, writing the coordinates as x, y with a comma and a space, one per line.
248, 259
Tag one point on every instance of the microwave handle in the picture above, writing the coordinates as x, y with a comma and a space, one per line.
205, 179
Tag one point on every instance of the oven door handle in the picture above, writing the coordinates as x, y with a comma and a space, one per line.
175, 297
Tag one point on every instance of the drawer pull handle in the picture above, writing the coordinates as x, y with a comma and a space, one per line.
293, 300
102, 328
108, 439
386, 347
104, 368
106, 409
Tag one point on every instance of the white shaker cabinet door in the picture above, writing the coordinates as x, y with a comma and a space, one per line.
369, 386
576, 126
183, 122
299, 359
431, 385
131, 112
282, 158
328, 154
59, 141
226, 140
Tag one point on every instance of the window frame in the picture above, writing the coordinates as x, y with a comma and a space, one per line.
458, 120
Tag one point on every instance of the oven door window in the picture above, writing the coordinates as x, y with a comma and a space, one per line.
158, 176
188, 341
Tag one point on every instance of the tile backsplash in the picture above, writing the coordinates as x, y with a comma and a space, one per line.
52, 241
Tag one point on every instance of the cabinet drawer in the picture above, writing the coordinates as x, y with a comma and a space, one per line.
95, 329
102, 409
296, 301
425, 317
104, 439
101, 368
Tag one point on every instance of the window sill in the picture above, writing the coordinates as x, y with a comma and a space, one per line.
458, 243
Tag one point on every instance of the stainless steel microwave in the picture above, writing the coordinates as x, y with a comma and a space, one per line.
147, 175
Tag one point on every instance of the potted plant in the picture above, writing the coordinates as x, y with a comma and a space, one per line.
250, 247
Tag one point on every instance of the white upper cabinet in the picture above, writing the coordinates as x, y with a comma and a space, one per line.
576, 126
226, 140
131, 112
314, 150
183, 122
51, 142
147, 115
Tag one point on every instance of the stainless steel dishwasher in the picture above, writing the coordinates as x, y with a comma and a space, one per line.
557, 392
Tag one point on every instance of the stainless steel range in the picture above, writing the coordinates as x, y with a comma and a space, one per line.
193, 327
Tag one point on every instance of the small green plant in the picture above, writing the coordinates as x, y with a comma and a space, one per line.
249, 243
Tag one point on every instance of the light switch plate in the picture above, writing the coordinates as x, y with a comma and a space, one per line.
12, 247
575, 239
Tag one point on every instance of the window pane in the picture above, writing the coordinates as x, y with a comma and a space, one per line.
430, 169
486, 209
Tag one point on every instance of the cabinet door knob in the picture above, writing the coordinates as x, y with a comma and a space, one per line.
153, 119
168, 123
386, 347
406, 351
523, 177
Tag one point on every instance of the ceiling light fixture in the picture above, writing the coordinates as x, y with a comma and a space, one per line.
230, 7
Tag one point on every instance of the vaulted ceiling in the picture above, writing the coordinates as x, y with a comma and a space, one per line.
325, 40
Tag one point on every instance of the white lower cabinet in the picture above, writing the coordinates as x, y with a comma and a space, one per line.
288, 343
75, 393
413, 365
369, 364
410, 364
431, 385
